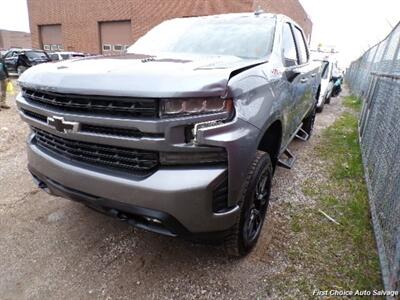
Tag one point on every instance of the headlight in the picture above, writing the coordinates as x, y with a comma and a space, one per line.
194, 106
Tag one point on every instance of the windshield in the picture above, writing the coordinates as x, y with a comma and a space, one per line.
245, 37
32, 55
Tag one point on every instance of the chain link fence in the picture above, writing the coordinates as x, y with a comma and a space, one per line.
375, 78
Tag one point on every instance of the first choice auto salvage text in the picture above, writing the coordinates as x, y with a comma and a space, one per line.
355, 293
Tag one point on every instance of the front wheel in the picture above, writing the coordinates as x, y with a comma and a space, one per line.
253, 202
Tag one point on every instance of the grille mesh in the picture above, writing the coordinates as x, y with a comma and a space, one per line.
142, 162
114, 106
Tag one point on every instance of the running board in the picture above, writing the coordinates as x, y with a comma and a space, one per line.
287, 162
302, 135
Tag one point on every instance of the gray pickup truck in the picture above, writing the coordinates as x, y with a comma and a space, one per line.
181, 135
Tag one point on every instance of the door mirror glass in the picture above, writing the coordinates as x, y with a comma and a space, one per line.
290, 56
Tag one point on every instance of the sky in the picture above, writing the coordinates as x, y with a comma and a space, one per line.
352, 26
14, 15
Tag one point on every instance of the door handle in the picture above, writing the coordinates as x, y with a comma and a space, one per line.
303, 80
313, 75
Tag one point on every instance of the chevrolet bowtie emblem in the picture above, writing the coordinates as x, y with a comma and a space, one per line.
61, 125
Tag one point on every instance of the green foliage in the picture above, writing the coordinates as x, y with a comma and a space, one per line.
352, 102
344, 254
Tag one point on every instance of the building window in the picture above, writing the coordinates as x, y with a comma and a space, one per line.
46, 47
118, 48
54, 47
126, 47
106, 47
60, 47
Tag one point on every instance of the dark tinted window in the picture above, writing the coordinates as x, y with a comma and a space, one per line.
54, 56
9, 54
301, 45
32, 55
289, 46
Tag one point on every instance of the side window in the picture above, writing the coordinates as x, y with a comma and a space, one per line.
289, 46
9, 54
54, 57
301, 43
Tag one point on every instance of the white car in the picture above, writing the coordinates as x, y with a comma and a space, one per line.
56, 56
326, 86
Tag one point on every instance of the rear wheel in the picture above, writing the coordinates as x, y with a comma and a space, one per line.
328, 101
308, 122
320, 108
254, 200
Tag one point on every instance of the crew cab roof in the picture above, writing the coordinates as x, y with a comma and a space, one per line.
249, 16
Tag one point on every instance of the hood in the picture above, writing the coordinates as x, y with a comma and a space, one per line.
138, 75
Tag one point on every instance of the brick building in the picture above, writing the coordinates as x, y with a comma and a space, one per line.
104, 26
14, 39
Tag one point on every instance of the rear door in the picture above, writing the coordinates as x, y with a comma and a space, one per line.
296, 78
307, 74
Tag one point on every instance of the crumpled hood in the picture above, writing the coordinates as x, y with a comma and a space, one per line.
138, 75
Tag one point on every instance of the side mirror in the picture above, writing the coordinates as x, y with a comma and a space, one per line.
291, 74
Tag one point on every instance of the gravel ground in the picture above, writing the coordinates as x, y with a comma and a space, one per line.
53, 248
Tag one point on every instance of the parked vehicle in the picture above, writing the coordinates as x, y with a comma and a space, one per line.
180, 136
337, 79
56, 56
3, 52
19, 60
326, 86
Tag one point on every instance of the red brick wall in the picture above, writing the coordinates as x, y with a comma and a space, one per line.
18, 39
79, 18
290, 8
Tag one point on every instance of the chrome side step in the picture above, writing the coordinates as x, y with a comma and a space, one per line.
287, 162
302, 135
287, 159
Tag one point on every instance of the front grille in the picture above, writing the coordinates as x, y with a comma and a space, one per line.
122, 132
104, 105
34, 115
112, 131
140, 162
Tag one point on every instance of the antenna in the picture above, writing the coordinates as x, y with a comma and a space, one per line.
389, 23
259, 11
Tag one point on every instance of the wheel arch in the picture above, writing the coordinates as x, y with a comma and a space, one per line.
271, 140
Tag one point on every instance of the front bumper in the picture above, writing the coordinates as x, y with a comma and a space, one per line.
181, 198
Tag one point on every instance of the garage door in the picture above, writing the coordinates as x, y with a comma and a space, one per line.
51, 37
115, 36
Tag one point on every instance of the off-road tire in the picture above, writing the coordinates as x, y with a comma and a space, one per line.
308, 122
328, 101
321, 108
235, 243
